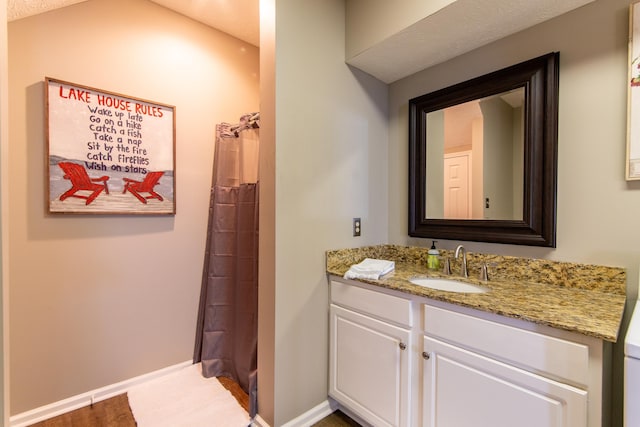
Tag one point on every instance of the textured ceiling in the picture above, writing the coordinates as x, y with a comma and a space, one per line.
17, 9
458, 28
240, 18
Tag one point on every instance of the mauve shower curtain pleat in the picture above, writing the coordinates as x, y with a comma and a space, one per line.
227, 334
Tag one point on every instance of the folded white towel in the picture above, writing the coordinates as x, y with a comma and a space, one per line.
370, 269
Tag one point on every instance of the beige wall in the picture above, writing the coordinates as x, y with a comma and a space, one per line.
330, 166
267, 214
4, 219
597, 214
99, 299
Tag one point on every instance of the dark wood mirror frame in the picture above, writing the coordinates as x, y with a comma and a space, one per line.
539, 77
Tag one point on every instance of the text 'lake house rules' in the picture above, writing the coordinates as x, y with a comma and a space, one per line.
108, 132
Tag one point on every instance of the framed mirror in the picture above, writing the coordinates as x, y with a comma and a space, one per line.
483, 157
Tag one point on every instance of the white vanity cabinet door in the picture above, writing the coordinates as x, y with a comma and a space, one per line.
463, 388
369, 367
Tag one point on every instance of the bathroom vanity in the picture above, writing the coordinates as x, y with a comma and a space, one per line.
523, 353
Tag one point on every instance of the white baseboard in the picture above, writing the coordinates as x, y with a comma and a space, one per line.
259, 422
53, 409
310, 417
313, 415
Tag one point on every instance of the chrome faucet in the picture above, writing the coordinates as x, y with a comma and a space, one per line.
463, 269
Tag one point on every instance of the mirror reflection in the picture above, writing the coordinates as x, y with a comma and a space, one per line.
475, 159
511, 168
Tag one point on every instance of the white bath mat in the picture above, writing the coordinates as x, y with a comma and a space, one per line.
185, 399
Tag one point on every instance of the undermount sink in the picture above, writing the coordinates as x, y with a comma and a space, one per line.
449, 285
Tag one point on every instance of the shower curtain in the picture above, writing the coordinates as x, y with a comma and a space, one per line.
227, 331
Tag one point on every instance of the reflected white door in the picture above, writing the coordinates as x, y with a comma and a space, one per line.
457, 188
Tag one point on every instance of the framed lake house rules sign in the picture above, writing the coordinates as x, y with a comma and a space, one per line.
108, 153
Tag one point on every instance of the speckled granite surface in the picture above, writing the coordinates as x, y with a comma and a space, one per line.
583, 298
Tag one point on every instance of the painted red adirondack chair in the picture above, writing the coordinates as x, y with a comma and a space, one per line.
145, 186
80, 181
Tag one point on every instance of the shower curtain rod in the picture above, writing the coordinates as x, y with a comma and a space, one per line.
248, 121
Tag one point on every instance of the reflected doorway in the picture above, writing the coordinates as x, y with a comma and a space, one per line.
457, 185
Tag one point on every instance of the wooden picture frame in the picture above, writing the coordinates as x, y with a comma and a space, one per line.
108, 153
632, 166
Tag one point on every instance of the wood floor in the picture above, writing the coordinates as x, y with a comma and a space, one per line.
236, 391
337, 419
115, 412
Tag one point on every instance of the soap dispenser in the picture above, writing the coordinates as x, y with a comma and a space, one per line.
433, 260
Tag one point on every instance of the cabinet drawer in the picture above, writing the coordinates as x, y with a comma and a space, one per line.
531, 350
376, 304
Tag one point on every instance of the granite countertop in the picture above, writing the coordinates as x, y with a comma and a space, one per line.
582, 298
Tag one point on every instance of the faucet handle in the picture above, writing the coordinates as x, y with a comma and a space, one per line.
484, 272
